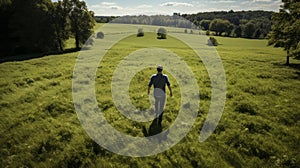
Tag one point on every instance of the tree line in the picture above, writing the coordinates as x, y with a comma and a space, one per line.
43, 26
158, 20
104, 19
246, 24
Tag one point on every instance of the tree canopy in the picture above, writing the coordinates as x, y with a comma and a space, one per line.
247, 24
220, 26
286, 28
42, 26
235, 23
82, 21
162, 33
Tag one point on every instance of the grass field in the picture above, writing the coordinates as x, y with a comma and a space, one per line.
259, 127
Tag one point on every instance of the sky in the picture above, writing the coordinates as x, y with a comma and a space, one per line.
168, 7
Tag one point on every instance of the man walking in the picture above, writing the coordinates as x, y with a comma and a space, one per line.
159, 81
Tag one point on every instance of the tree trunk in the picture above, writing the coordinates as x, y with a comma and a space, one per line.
77, 41
60, 43
61, 48
288, 58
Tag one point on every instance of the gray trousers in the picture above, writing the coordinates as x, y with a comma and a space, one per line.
159, 107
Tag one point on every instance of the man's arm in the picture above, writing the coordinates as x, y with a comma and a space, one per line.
150, 84
149, 90
169, 85
170, 89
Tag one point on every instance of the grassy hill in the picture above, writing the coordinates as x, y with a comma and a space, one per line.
259, 127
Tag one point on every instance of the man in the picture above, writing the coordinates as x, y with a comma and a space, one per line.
159, 81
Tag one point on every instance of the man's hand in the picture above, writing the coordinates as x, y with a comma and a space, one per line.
170, 89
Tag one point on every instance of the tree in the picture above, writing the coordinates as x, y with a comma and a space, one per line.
82, 21
263, 27
42, 26
212, 41
30, 28
229, 29
204, 24
61, 23
162, 33
286, 29
261, 19
257, 34
249, 30
219, 26
5, 15
140, 32
237, 32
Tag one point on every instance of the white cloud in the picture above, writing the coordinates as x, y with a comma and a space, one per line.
145, 6
177, 4
223, 1
108, 3
269, 5
262, 0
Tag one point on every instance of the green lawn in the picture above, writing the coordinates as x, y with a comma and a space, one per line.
259, 127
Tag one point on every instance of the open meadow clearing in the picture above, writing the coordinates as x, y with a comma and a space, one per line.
259, 126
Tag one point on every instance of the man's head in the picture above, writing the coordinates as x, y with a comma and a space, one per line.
159, 68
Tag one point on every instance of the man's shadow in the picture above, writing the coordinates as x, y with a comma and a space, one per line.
154, 129
155, 132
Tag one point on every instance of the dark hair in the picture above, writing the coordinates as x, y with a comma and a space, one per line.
159, 70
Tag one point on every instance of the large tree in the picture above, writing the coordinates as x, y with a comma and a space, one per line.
5, 15
249, 30
204, 24
237, 32
219, 26
82, 21
61, 23
42, 26
286, 28
30, 27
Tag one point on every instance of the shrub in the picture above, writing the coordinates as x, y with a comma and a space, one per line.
140, 32
162, 33
100, 35
212, 41
207, 33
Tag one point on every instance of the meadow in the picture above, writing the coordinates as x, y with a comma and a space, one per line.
259, 126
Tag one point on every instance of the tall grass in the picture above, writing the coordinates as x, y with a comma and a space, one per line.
259, 127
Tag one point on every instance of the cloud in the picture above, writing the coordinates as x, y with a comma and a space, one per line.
262, 0
223, 1
269, 5
144, 6
116, 7
169, 7
108, 3
177, 4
